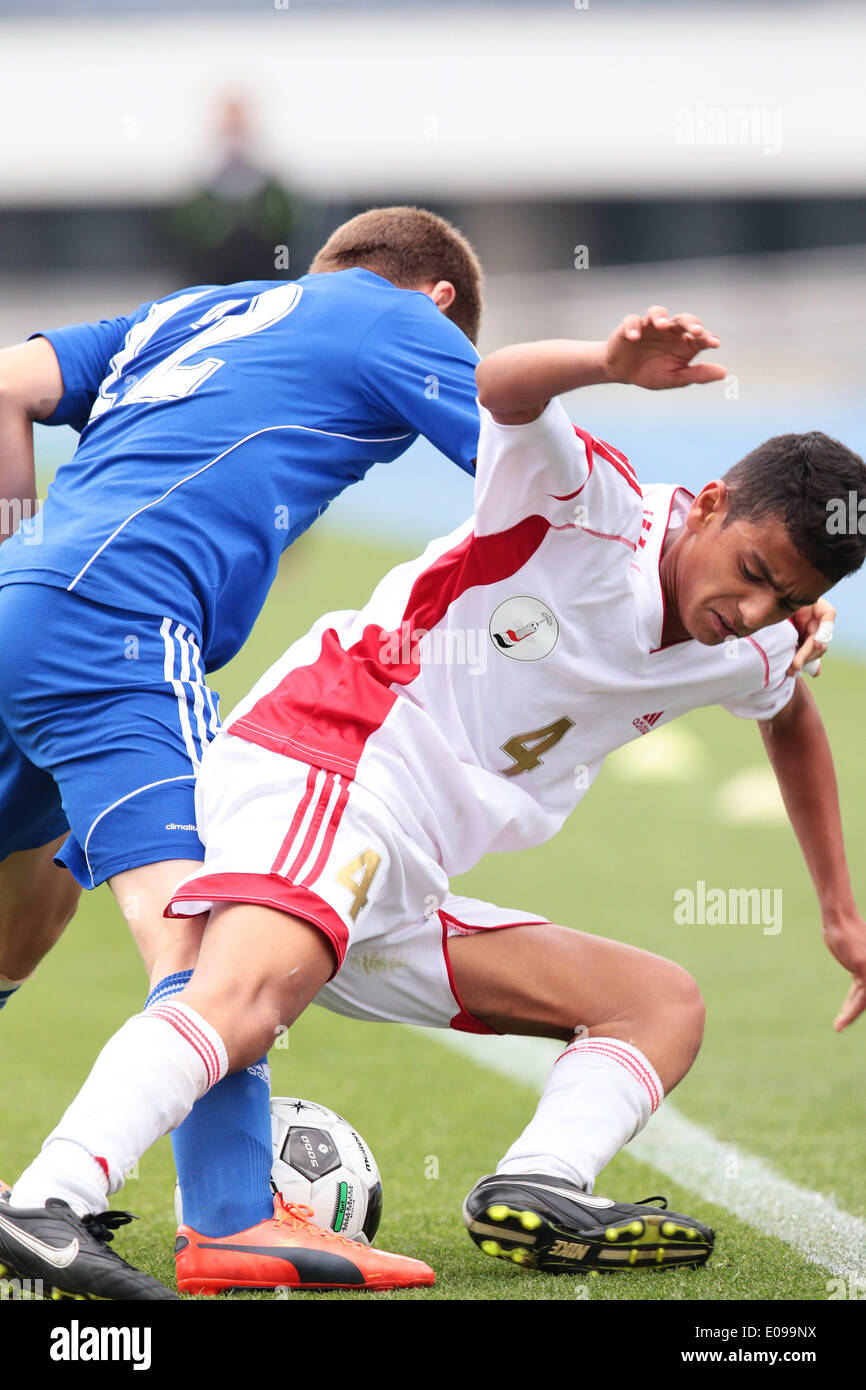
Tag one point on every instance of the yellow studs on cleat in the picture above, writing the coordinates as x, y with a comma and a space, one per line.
669, 1229
653, 1241
517, 1256
529, 1220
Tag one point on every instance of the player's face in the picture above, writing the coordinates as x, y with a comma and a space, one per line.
733, 580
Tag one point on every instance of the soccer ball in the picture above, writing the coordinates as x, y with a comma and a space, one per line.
320, 1161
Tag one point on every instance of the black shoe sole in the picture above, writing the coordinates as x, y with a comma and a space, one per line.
529, 1239
50, 1292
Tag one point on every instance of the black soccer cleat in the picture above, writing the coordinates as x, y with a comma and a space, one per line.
70, 1254
547, 1223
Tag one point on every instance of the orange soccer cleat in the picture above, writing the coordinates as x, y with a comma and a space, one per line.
289, 1252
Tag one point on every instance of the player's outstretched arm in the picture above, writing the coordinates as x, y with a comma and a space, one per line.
653, 350
799, 750
31, 387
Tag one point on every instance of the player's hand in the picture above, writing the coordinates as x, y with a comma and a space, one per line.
815, 626
845, 938
657, 351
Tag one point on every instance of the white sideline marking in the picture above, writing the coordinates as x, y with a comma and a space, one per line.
809, 1222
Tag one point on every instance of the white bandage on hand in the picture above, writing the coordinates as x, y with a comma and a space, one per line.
824, 635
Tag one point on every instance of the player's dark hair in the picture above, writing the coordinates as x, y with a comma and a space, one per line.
812, 484
410, 246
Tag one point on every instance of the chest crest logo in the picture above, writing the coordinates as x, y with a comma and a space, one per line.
524, 629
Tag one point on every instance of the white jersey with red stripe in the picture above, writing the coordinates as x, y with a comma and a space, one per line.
480, 689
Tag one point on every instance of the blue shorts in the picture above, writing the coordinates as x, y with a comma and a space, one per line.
103, 718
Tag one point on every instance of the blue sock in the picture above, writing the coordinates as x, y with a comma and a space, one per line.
6, 992
223, 1149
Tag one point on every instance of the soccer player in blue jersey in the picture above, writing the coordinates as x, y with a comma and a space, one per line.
216, 425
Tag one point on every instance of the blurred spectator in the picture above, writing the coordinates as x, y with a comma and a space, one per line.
232, 228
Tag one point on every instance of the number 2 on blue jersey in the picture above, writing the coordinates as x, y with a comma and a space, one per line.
175, 377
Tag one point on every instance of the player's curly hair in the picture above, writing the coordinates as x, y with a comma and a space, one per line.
806, 481
410, 246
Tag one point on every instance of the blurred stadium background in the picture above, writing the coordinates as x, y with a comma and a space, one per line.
601, 155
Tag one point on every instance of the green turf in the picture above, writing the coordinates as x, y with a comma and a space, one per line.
772, 1077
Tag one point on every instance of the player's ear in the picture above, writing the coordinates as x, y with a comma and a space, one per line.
711, 498
443, 294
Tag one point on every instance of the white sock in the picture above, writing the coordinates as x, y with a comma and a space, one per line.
9, 987
143, 1084
64, 1170
599, 1095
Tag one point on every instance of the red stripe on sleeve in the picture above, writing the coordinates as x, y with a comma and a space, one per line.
763, 656
612, 456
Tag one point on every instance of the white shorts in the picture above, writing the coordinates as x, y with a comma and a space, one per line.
283, 834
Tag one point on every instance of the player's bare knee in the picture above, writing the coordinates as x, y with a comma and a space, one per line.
668, 1002
263, 1025
666, 1021
683, 1013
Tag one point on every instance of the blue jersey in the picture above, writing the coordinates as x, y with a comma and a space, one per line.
218, 423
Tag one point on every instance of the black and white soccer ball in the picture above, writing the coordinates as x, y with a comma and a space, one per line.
321, 1161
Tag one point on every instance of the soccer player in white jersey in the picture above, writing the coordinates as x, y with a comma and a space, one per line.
390, 749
